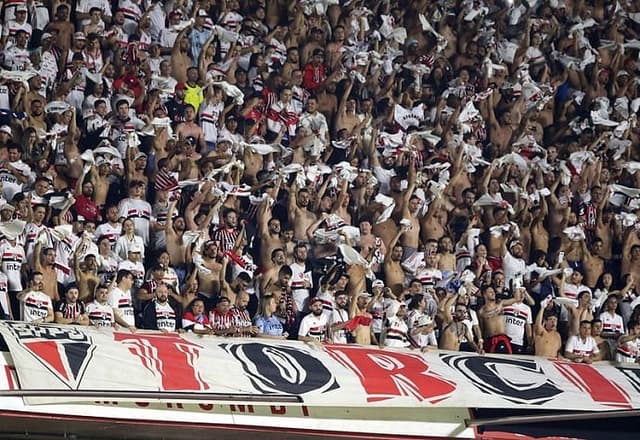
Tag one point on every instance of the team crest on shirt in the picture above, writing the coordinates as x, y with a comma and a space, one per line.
64, 352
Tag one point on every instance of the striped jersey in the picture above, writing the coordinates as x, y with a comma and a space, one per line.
100, 315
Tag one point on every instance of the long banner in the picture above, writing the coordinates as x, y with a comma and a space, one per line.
55, 357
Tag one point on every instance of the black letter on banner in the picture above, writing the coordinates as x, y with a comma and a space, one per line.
517, 380
279, 369
632, 375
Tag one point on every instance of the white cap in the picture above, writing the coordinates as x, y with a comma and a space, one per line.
424, 320
6, 129
377, 283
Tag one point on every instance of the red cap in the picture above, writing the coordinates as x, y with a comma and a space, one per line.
181, 86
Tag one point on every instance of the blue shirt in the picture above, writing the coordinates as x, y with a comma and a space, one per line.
197, 40
268, 326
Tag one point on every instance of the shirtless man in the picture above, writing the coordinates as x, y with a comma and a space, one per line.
454, 330
393, 272
500, 129
492, 323
270, 276
47, 268
592, 262
581, 312
269, 238
189, 128
209, 273
99, 176
180, 59
603, 344
86, 276
358, 308
299, 214
174, 230
347, 118
410, 240
548, 342
432, 225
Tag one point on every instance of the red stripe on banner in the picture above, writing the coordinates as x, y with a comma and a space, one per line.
589, 380
9, 372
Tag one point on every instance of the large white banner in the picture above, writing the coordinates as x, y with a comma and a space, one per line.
54, 357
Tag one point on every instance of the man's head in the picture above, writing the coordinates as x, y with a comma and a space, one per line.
124, 279
315, 306
162, 293
342, 300
278, 257
300, 253
72, 293
284, 275
37, 281
223, 305
585, 329
242, 301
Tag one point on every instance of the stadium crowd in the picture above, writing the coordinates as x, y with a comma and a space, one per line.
414, 173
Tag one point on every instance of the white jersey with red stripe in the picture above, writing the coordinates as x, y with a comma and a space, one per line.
314, 326
165, 317
132, 14
84, 6
611, 323
209, 114
100, 315
11, 260
629, 352
516, 317
31, 232
282, 114
35, 305
429, 276
140, 212
121, 301
111, 231
10, 9
396, 333
221, 321
581, 347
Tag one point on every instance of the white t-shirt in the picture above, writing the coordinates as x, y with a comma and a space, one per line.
580, 347
11, 260
338, 316
514, 269
121, 301
140, 212
516, 317
299, 292
314, 326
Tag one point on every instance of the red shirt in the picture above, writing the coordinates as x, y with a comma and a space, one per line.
87, 208
313, 76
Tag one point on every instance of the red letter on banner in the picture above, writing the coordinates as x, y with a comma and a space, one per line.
591, 381
168, 356
385, 374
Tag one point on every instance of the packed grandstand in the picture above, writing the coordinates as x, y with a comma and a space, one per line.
442, 174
